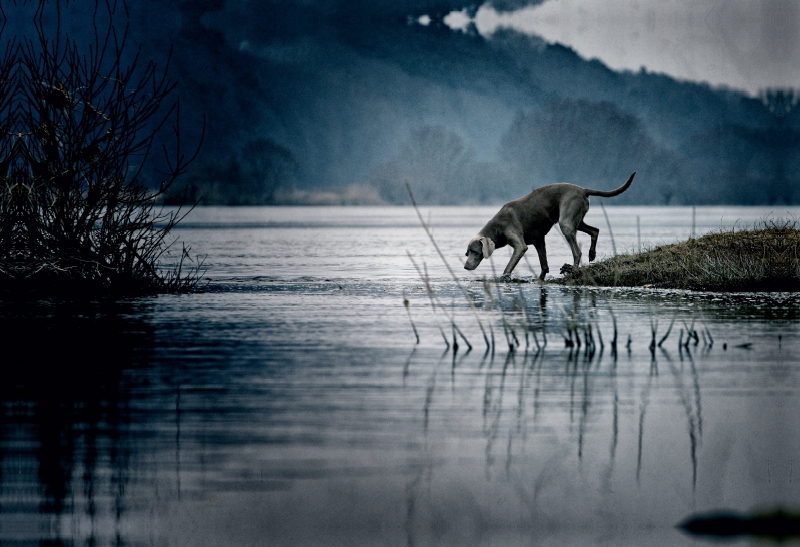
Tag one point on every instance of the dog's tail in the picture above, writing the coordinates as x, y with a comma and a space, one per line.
612, 193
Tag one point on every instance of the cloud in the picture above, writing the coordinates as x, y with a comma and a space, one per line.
742, 44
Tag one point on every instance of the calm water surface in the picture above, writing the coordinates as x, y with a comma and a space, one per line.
289, 404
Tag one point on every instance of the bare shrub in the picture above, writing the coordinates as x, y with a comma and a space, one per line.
79, 125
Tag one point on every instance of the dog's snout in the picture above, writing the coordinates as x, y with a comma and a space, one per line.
471, 263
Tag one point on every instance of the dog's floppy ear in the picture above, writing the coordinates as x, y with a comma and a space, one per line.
488, 247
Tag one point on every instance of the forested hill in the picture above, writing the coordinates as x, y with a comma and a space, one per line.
348, 99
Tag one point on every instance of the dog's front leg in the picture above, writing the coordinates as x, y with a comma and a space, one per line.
519, 249
540, 248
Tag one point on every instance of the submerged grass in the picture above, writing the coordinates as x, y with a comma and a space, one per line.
763, 258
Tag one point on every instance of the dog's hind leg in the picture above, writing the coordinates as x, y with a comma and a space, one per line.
593, 233
569, 234
569, 220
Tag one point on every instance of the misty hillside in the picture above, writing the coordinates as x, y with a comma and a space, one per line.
334, 100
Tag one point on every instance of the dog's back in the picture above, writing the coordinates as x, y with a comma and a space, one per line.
542, 208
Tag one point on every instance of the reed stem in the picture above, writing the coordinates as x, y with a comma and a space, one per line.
669, 329
447, 265
408, 310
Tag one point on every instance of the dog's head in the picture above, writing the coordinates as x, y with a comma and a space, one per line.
479, 247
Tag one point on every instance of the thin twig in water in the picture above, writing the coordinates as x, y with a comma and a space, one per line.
638, 235
455, 340
541, 316
428, 288
506, 326
498, 304
614, 321
405, 303
669, 329
444, 260
433, 305
653, 329
450, 317
599, 334
691, 334
610, 233
613, 244
528, 323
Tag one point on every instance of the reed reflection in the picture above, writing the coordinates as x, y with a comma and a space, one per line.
574, 389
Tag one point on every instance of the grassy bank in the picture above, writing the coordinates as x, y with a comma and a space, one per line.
763, 258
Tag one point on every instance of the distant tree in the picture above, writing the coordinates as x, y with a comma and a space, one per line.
433, 160
780, 102
78, 127
747, 165
594, 145
739, 165
441, 169
249, 177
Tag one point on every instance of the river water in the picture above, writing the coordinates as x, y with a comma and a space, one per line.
290, 404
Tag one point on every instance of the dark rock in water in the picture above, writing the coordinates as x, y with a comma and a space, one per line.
715, 525
777, 525
568, 270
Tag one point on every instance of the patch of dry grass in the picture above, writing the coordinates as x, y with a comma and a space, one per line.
763, 258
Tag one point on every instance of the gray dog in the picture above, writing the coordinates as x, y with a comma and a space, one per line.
525, 221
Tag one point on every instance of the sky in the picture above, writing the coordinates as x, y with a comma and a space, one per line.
742, 44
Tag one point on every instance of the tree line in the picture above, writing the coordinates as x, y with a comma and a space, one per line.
594, 144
